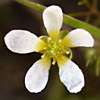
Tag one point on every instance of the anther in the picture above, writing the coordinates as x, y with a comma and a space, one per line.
45, 48
42, 56
59, 40
67, 52
53, 62
48, 40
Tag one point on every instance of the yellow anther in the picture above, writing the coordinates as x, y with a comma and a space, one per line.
67, 52
42, 56
59, 40
48, 40
45, 48
53, 62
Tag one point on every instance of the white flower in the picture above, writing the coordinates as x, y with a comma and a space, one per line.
56, 46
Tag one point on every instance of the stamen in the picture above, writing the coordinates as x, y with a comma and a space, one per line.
53, 62
59, 40
42, 56
48, 40
45, 48
67, 52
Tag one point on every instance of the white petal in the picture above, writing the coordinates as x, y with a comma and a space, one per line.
37, 76
53, 18
70, 75
78, 37
22, 41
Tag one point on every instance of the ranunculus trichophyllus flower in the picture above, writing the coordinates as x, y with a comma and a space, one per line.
55, 46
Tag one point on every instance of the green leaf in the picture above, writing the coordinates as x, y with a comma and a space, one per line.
67, 19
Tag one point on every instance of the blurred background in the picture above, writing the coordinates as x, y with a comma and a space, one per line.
13, 67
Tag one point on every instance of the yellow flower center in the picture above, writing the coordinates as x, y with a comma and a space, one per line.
55, 49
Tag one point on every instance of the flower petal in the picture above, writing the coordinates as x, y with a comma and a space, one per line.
22, 41
70, 75
37, 76
53, 18
78, 37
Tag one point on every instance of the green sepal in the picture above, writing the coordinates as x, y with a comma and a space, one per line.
62, 34
44, 38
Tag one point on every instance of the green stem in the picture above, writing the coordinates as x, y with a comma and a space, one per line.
32, 4
79, 24
67, 19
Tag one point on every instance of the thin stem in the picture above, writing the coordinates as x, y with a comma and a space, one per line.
94, 8
32, 4
95, 3
78, 14
66, 19
86, 2
80, 24
88, 17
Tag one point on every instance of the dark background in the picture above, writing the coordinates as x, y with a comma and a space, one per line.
13, 67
